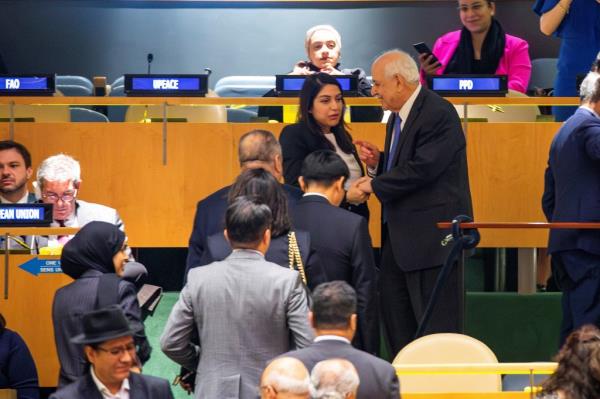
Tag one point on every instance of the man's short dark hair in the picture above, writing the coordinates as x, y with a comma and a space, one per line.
324, 167
21, 149
246, 220
258, 145
333, 304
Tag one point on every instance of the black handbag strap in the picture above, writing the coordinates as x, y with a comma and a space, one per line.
108, 290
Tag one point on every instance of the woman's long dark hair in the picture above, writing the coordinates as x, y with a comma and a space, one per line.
578, 371
262, 186
310, 90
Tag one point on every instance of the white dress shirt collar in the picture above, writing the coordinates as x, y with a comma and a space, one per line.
331, 338
122, 394
23, 199
313, 193
405, 110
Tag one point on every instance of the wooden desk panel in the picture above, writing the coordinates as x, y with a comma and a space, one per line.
122, 167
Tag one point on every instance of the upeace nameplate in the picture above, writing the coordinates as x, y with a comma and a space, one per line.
166, 85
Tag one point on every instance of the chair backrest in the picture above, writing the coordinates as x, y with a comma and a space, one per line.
543, 73
86, 115
244, 86
116, 113
211, 113
74, 90
8, 394
239, 115
120, 81
447, 348
39, 113
74, 80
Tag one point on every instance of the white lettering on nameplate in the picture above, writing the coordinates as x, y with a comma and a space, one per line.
169, 84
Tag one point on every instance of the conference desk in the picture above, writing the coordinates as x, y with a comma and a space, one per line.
27, 286
154, 173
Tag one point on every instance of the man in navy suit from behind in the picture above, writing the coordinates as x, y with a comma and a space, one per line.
257, 149
572, 194
340, 237
333, 318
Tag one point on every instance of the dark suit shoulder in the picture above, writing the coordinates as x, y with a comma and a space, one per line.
218, 196
156, 387
313, 205
293, 193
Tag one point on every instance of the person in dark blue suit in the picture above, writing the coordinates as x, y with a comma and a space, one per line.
17, 368
340, 237
257, 149
572, 194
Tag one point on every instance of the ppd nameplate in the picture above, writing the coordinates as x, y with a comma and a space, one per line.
166, 85
469, 85
25, 215
27, 85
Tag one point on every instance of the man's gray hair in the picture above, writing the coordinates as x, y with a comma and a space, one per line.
311, 31
589, 87
333, 379
402, 64
258, 145
59, 168
284, 383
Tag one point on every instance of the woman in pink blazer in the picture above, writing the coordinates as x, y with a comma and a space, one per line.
480, 47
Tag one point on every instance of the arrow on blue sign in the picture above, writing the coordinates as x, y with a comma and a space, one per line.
36, 266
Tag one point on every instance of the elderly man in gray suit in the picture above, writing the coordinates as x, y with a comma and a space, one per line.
58, 182
245, 310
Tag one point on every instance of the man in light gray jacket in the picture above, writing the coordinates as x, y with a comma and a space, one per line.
246, 311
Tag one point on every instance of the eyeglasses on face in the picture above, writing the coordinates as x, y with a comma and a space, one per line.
67, 196
118, 351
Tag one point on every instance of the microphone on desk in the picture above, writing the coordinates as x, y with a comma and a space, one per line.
208, 71
150, 58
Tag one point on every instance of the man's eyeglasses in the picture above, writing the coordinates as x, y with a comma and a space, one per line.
67, 196
475, 7
119, 350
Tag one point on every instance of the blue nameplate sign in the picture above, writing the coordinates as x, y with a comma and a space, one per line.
166, 85
290, 85
25, 215
27, 85
469, 85
37, 266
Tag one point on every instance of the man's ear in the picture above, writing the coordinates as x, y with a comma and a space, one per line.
29, 172
353, 321
226, 235
90, 354
302, 183
339, 183
77, 185
311, 319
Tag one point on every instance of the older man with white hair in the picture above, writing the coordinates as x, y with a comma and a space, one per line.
58, 183
572, 194
334, 379
421, 178
284, 378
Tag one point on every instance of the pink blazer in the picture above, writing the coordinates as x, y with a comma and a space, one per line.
515, 62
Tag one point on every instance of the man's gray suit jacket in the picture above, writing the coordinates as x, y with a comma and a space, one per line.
246, 311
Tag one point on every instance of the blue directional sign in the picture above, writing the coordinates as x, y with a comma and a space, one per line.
37, 266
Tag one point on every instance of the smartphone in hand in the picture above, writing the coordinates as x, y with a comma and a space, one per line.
422, 48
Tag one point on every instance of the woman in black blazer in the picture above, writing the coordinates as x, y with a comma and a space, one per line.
321, 127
